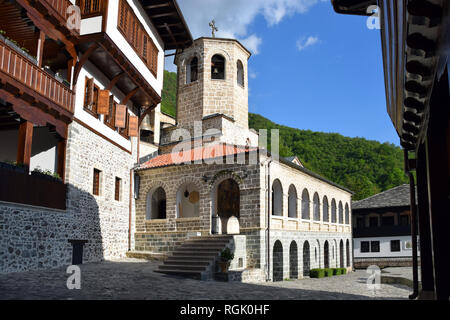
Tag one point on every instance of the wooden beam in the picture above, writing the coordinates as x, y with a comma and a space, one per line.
24, 143
130, 95
114, 81
61, 149
84, 58
162, 15
146, 113
40, 48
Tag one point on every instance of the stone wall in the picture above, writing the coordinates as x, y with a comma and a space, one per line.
171, 179
37, 238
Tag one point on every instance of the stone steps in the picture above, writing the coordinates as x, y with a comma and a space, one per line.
195, 258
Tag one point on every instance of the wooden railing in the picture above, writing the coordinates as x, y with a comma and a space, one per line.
29, 74
60, 7
91, 8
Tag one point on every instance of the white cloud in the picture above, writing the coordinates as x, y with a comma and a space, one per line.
304, 42
234, 16
252, 43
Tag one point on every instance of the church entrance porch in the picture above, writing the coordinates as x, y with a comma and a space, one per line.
225, 219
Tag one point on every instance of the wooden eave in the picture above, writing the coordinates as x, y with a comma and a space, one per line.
353, 7
108, 58
58, 17
167, 18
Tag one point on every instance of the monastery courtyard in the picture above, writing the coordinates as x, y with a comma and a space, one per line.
135, 279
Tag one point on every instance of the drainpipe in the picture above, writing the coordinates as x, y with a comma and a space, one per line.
268, 221
130, 209
412, 191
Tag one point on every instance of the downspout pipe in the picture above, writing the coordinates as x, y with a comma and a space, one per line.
412, 191
268, 220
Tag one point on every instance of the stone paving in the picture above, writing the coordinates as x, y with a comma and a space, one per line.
135, 279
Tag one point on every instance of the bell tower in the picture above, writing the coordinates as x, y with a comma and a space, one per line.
213, 82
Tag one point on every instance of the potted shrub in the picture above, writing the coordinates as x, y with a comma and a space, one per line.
225, 259
46, 174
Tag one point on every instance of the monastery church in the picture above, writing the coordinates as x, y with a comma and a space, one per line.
280, 219
91, 169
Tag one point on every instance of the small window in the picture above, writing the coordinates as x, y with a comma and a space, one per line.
96, 182
117, 189
375, 246
395, 245
240, 73
218, 67
387, 221
365, 246
373, 222
192, 71
91, 97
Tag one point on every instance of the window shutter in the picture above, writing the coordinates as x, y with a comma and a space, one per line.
103, 102
121, 113
133, 126
89, 99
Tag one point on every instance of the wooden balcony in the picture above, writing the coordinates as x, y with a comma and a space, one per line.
24, 79
18, 186
56, 12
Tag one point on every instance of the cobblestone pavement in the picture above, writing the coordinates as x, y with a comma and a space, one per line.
135, 279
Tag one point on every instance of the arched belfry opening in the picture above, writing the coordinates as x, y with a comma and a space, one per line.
240, 73
218, 67
228, 206
192, 70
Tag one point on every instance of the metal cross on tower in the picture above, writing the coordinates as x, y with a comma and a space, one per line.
212, 24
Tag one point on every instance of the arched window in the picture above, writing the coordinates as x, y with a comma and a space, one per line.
341, 213
192, 70
188, 201
277, 198
347, 214
292, 202
305, 204
156, 204
326, 210
333, 211
218, 67
316, 207
240, 73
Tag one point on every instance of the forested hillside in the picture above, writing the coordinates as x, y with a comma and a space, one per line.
169, 93
363, 166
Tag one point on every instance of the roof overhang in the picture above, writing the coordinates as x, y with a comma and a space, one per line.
415, 44
354, 7
167, 18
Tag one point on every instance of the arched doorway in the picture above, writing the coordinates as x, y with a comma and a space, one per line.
278, 261
228, 205
326, 255
306, 259
341, 253
188, 201
293, 260
156, 204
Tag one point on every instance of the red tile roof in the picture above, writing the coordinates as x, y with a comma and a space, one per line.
195, 154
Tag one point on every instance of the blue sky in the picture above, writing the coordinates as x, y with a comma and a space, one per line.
311, 68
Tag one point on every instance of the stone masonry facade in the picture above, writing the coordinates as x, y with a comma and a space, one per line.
37, 238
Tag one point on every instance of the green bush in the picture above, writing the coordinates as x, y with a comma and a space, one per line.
328, 272
343, 270
337, 271
317, 273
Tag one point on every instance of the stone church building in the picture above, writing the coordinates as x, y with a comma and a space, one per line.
210, 185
